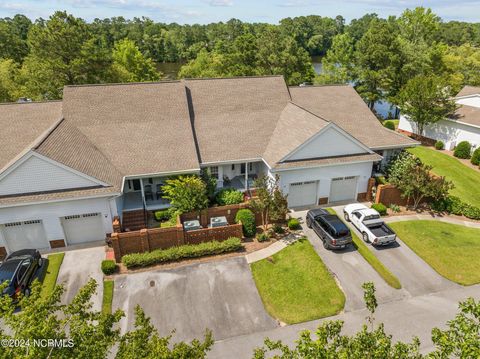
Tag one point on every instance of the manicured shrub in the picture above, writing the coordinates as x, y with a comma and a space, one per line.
454, 205
262, 237
476, 157
108, 266
463, 150
228, 196
439, 145
278, 228
163, 215
390, 125
293, 224
380, 208
247, 218
186, 251
380, 180
395, 208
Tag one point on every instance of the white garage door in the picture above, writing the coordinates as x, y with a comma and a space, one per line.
83, 228
25, 235
302, 194
343, 189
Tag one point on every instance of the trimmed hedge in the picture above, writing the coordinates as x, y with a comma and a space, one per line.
439, 145
108, 266
463, 150
380, 208
228, 196
247, 218
172, 254
390, 125
262, 237
163, 215
476, 157
454, 205
293, 224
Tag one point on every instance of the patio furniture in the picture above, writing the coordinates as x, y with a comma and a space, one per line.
218, 221
148, 191
191, 225
159, 191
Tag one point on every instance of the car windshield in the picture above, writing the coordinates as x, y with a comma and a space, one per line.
372, 216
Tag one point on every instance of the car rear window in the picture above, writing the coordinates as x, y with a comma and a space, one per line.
7, 270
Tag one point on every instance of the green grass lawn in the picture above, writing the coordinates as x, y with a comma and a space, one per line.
465, 179
452, 250
51, 273
107, 296
376, 264
295, 285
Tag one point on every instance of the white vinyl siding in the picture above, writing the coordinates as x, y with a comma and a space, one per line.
38, 175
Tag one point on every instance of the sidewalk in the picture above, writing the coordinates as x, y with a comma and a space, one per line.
274, 248
416, 217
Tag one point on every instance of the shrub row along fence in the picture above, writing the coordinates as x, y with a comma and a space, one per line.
149, 239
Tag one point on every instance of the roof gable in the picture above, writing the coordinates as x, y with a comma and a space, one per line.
34, 173
469, 90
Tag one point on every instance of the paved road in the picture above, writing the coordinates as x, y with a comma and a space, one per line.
415, 275
351, 270
77, 268
218, 295
403, 319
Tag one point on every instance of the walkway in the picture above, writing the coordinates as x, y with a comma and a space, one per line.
428, 217
273, 248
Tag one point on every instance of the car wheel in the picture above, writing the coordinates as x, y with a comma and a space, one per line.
26, 292
309, 223
346, 216
365, 237
325, 245
40, 262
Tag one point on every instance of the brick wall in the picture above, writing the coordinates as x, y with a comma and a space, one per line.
389, 194
213, 234
424, 140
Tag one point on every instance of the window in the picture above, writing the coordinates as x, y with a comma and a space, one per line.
150, 180
136, 185
23, 268
242, 168
250, 167
233, 167
214, 171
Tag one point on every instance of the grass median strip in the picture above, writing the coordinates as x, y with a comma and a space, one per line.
450, 249
295, 285
373, 260
108, 286
51, 273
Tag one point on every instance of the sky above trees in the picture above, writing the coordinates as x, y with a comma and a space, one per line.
206, 11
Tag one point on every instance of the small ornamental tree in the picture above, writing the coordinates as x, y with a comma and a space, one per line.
186, 193
415, 181
210, 184
270, 201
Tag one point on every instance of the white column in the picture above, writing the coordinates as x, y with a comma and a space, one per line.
220, 177
246, 176
143, 193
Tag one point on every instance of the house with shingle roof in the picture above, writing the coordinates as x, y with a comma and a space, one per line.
463, 125
69, 167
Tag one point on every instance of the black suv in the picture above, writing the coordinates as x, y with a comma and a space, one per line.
331, 230
19, 270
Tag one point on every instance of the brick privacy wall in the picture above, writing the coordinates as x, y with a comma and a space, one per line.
371, 183
322, 200
3, 253
424, 140
146, 240
362, 197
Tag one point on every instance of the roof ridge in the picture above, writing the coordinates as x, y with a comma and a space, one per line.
28, 102
321, 85
310, 112
230, 78
124, 83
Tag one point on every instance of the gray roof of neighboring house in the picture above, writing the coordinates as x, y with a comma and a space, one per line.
295, 126
342, 105
469, 90
467, 114
116, 130
24, 124
234, 118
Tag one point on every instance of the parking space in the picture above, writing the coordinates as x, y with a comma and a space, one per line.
416, 276
351, 271
218, 295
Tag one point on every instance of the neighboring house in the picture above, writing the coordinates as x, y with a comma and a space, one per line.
464, 125
68, 167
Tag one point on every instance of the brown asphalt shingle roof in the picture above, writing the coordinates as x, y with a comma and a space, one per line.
329, 161
23, 124
469, 90
467, 114
342, 105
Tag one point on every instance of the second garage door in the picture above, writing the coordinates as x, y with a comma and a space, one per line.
302, 194
343, 189
83, 228
25, 235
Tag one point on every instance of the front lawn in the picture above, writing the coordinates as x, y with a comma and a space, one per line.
295, 285
465, 179
51, 273
107, 296
452, 250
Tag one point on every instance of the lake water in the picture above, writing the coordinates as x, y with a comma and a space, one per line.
170, 70
383, 108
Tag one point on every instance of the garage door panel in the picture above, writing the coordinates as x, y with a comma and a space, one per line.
25, 235
343, 189
83, 228
302, 194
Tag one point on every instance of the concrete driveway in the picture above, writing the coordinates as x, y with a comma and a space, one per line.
78, 267
220, 296
351, 270
415, 275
